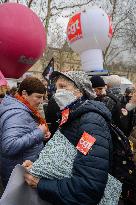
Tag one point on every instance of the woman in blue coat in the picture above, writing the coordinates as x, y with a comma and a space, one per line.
22, 129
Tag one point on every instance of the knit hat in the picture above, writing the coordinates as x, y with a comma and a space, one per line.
97, 81
113, 81
80, 79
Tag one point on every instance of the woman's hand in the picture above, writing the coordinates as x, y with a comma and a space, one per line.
27, 164
47, 136
43, 128
46, 132
31, 180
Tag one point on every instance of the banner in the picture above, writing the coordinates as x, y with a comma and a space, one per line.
18, 192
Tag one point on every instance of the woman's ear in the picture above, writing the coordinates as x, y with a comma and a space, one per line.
24, 94
78, 93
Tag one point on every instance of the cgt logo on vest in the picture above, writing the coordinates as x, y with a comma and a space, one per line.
85, 143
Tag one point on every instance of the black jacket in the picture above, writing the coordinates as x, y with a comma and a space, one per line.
90, 172
113, 103
51, 111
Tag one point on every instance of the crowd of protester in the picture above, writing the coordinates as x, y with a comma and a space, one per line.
46, 131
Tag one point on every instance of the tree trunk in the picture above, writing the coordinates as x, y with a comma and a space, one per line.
48, 15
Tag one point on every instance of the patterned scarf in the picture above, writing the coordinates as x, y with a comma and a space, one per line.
34, 111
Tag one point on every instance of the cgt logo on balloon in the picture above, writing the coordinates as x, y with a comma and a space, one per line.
27, 61
74, 29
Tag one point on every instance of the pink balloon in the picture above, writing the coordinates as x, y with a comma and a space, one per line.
22, 39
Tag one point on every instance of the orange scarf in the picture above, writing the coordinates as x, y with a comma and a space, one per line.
40, 119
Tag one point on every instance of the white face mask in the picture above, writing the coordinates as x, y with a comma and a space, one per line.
64, 98
130, 106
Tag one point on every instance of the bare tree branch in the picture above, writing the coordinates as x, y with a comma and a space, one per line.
120, 18
114, 3
29, 3
72, 6
49, 14
118, 23
116, 54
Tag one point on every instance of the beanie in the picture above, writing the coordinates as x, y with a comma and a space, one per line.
97, 81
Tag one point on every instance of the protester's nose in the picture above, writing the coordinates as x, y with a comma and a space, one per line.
103, 92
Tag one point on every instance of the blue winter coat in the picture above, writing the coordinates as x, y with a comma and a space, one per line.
20, 137
90, 172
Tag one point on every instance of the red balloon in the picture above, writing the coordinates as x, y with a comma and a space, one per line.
22, 39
